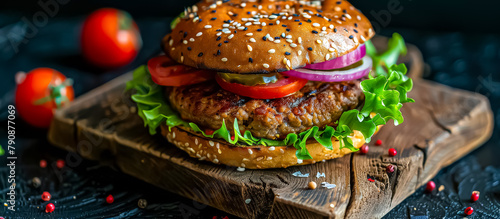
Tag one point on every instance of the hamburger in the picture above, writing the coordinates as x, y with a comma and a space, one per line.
271, 84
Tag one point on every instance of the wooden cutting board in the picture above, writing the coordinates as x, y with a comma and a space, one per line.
443, 125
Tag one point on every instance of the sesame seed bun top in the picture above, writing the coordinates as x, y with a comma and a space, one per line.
265, 36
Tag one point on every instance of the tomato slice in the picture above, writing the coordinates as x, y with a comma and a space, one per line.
166, 72
283, 87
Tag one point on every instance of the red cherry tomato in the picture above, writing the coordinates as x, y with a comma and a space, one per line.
39, 93
164, 71
283, 87
110, 38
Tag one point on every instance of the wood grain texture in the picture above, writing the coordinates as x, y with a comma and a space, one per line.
443, 125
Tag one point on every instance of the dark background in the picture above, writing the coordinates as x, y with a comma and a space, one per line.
460, 41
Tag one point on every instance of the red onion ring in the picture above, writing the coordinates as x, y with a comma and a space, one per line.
333, 75
342, 61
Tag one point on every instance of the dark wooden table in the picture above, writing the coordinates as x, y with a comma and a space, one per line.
469, 62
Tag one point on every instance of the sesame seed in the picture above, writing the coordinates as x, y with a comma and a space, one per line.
225, 41
182, 58
250, 60
293, 45
331, 50
315, 32
191, 39
218, 34
299, 40
287, 53
310, 48
199, 34
315, 24
171, 42
256, 23
218, 52
323, 28
277, 41
284, 60
189, 48
249, 48
288, 63
185, 41
300, 52
271, 148
363, 38
350, 37
335, 30
289, 40
277, 21
225, 25
358, 17
230, 36
250, 151
272, 17
331, 26
271, 51
224, 59
265, 65
200, 54
327, 57
348, 16
318, 41
218, 38
289, 36
220, 44
355, 31
208, 26
214, 18
249, 34
248, 23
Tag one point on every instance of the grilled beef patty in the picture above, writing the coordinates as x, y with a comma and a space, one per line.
316, 104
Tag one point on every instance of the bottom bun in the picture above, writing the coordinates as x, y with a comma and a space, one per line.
252, 157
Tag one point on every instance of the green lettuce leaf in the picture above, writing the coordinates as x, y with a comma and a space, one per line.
384, 93
151, 104
381, 61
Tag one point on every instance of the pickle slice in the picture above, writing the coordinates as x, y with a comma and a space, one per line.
250, 79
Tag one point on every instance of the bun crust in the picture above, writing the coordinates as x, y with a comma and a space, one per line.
222, 36
252, 157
